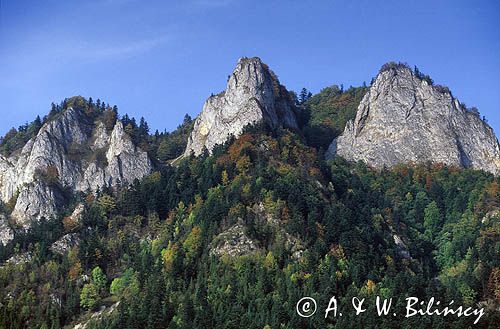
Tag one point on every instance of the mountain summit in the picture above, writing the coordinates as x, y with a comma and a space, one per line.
74, 151
253, 94
405, 118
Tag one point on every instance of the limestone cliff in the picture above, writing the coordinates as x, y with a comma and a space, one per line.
253, 94
403, 118
6, 233
70, 153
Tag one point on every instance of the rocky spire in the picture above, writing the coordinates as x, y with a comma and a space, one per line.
404, 118
71, 152
253, 94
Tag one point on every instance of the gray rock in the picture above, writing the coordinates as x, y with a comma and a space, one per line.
65, 243
21, 258
96, 317
6, 233
36, 200
233, 242
403, 119
77, 213
253, 95
108, 160
491, 215
401, 247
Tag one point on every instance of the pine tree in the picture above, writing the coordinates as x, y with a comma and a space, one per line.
143, 127
304, 96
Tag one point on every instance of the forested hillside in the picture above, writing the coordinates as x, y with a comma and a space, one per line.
235, 239
329, 111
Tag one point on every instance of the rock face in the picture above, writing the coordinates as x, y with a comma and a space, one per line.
65, 243
36, 200
403, 119
233, 242
6, 233
69, 153
253, 94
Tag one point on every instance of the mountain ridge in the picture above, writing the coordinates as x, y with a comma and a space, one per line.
261, 218
54, 159
32, 178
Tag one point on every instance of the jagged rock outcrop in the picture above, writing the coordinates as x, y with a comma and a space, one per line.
65, 243
253, 94
17, 259
96, 317
403, 118
401, 247
233, 242
77, 213
69, 153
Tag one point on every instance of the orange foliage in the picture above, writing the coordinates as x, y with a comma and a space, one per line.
89, 199
243, 142
337, 251
75, 271
285, 214
490, 199
321, 230
493, 288
69, 224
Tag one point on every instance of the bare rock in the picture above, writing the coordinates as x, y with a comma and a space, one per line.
35, 201
402, 118
401, 247
98, 316
72, 152
233, 242
6, 233
65, 243
253, 95
19, 259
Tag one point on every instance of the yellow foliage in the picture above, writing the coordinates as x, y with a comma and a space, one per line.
168, 256
246, 191
193, 242
107, 203
154, 177
243, 164
225, 178
338, 252
270, 261
370, 286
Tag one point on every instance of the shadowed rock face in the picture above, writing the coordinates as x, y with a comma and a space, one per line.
253, 94
21, 174
404, 119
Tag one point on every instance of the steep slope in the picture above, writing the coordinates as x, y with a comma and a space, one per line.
329, 111
70, 153
403, 118
253, 94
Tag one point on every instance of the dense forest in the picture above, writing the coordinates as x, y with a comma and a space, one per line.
235, 238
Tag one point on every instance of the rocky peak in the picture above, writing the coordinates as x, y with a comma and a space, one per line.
253, 94
71, 151
405, 118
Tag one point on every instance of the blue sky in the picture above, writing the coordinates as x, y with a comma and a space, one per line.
162, 59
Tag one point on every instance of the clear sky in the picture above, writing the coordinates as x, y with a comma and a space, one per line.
162, 59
